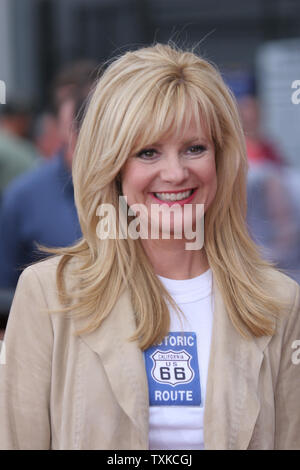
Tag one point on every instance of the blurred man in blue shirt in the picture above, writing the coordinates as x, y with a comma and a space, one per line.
38, 207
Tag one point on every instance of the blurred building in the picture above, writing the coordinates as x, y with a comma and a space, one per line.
38, 36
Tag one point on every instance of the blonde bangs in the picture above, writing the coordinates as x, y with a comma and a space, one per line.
169, 112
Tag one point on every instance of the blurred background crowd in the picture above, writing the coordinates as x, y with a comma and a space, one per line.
51, 53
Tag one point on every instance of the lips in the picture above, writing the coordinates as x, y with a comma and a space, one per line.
174, 197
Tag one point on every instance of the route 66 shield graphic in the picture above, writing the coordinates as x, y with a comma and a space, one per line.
172, 367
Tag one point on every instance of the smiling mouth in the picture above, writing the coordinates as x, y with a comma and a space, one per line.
178, 196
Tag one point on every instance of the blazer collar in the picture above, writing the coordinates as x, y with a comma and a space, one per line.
231, 406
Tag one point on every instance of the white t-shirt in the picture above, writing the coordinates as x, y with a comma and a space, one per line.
177, 368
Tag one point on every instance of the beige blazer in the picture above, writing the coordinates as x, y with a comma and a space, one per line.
58, 391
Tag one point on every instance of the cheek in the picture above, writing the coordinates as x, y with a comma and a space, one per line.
212, 180
212, 177
208, 177
210, 174
213, 184
134, 180
207, 172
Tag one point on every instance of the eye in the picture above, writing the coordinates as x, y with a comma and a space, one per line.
196, 149
147, 154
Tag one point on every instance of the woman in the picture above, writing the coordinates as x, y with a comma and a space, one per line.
150, 343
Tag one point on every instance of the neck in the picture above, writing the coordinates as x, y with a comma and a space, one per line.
170, 259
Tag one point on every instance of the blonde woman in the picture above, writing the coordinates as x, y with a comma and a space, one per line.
136, 342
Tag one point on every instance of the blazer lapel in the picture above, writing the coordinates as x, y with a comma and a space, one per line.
123, 362
232, 404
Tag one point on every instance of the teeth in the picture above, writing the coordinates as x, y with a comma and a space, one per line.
173, 196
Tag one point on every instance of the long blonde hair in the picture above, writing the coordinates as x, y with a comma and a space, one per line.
142, 95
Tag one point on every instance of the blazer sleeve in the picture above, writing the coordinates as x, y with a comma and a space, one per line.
287, 395
25, 370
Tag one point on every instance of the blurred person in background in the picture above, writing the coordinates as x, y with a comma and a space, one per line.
273, 217
74, 77
17, 153
46, 134
38, 207
273, 211
259, 149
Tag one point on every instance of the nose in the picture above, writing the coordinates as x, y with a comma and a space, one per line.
174, 170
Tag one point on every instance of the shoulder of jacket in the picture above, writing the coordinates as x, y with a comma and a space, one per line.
46, 267
45, 274
287, 291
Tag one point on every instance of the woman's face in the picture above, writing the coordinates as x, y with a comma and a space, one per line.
176, 170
